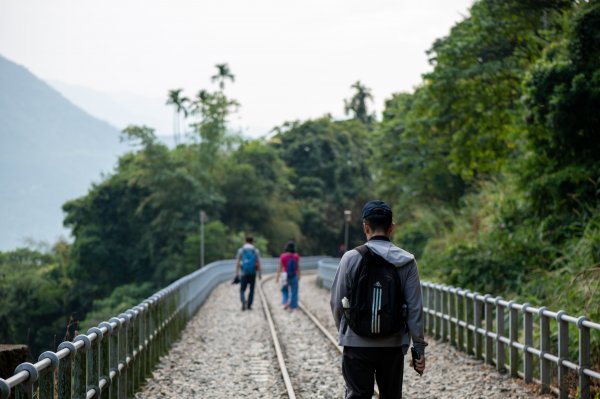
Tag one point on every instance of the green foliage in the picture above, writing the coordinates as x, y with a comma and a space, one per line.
562, 171
357, 105
33, 299
210, 131
486, 206
330, 173
475, 86
223, 74
411, 158
121, 298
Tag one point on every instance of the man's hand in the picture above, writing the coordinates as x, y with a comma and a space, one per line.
418, 364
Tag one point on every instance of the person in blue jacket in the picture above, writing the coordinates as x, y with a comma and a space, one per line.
248, 265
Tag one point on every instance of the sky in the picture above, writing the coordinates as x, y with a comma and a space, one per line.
291, 60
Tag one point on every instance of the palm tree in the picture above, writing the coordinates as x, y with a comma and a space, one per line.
174, 98
222, 75
358, 103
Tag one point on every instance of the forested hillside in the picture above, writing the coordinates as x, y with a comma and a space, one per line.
490, 164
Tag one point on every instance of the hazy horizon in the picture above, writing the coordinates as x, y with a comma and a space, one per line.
292, 61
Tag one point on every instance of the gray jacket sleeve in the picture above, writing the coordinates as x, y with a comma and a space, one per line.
414, 302
339, 287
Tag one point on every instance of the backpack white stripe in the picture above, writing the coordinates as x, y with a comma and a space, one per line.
378, 310
373, 311
375, 316
379, 313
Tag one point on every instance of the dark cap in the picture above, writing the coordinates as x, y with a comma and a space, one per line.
290, 246
376, 208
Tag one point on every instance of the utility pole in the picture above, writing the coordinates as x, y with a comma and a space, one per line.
202, 220
347, 215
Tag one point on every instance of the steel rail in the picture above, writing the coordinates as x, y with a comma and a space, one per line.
278, 351
327, 334
312, 318
320, 327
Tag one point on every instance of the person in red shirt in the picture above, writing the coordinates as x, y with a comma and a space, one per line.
289, 275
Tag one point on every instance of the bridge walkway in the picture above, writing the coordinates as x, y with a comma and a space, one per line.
224, 352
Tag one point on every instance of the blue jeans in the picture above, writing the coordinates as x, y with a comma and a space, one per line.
289, 292
244, 282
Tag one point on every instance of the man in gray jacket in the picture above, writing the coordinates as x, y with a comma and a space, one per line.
368, 358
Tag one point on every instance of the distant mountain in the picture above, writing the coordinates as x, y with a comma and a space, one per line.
50, 151
121, 109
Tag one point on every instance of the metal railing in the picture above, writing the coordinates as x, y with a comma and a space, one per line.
489, 328
113, 359
327, 269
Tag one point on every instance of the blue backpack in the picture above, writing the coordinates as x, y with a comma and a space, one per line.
248, 261
292, 267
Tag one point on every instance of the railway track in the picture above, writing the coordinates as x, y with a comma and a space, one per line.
227, 353
288, 358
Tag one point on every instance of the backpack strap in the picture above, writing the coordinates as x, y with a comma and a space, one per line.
362, 249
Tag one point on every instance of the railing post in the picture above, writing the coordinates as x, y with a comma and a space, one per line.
155, 324
563, 354
452, 311
147, 343
80, 368
489, 322
113, 363
171, 326
25, 390
149, 336
46, 384
95, 361
177, 327
431, 305
165, 315
584, 358
4, 389
130, 353
528, 336
499, 334
160, 326
544, 348
124, 376
425, 307
133, 342
514, 337
461, 318
142, 315
444, 310
476, 325
470, 336
438, 319
168, 298
65, 370
137, 341
105, 349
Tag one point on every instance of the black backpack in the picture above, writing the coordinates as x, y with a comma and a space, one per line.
376, 302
